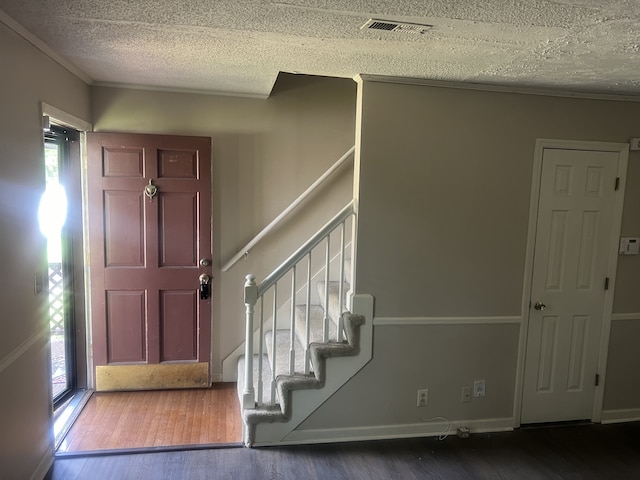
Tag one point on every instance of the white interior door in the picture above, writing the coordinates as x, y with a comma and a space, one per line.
573, 245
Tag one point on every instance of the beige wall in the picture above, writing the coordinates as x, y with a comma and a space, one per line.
454, 168
28, 77
445, 183
265, 153
441, 358
622, 392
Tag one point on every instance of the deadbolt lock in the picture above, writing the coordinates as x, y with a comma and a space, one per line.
204, 286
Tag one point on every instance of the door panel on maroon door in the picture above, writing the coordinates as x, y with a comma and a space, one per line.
124, 229
126, 321
177, 228
177, 164
145, 251
179, 337
123, 162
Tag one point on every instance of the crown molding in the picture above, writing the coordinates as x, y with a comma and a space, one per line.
43, 47
547, 92
151, 88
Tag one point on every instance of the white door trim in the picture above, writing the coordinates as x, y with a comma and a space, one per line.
623, 151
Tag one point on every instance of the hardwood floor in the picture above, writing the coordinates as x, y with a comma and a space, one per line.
118, 420
566, 452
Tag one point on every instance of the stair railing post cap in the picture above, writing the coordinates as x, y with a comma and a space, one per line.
250, 290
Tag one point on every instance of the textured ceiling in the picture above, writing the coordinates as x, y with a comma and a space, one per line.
238, 47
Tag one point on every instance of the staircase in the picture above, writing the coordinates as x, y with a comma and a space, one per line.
301, 346
319, 351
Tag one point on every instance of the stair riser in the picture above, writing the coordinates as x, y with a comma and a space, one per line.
283, 352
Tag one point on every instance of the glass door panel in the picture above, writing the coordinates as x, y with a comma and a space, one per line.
52, 222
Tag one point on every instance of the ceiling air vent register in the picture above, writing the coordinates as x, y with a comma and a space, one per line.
386, 25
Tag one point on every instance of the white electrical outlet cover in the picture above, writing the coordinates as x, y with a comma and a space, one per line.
478, 388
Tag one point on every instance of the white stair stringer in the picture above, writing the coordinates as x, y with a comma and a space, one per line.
300, 395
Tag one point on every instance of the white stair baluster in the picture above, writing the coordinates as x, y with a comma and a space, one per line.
250, 298
307, 317
325, 327
341, 286
260, 353
292, 339
274, 326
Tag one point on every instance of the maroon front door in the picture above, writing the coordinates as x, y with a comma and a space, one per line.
149, 200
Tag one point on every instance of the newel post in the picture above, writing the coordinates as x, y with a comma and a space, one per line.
250, 298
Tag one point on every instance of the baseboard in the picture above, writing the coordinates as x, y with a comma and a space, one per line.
43, 467
439, 427
620, 416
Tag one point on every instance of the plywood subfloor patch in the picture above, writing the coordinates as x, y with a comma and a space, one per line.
119, 420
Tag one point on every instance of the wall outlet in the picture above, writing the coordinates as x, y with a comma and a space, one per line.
423, 397
478, 388
466, 394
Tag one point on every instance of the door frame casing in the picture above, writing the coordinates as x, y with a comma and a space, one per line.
82, 315
623, 154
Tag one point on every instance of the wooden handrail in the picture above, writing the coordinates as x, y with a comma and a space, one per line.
303, 196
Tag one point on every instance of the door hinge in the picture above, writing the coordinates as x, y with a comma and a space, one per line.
617, 183
606, 283
597, 379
